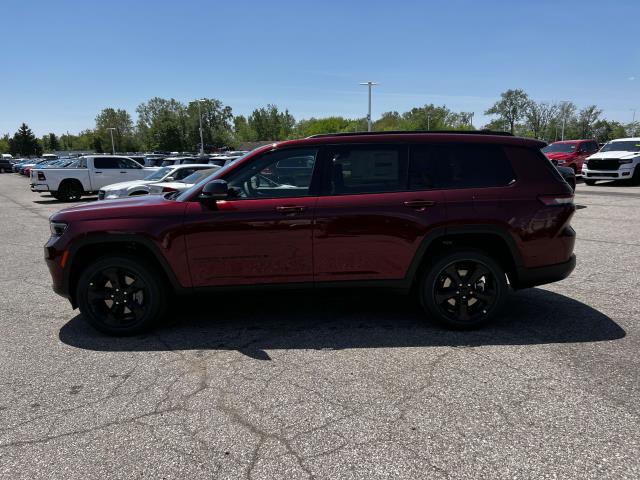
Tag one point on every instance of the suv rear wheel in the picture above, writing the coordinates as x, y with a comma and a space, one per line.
121, 295
463, 289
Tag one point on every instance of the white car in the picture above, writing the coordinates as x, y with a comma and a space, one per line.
182, 185
617, 160
142, 187
90, 174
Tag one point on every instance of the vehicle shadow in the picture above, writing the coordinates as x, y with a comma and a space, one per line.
54, 201
324, 320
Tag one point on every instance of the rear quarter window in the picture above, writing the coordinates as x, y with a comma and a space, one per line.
531, 164
453, 166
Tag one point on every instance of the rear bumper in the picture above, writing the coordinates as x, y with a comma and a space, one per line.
38, 187
531, 277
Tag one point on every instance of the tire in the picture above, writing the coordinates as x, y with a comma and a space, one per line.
484, 299
104, 302
591, 183
635, 178
70, 190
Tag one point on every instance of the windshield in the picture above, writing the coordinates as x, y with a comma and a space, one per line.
560, 148
195, 177
216, 172
160, 174
628, 146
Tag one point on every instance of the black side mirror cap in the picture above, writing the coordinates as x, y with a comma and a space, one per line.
215, 190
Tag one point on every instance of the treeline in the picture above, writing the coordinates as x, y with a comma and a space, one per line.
170, 125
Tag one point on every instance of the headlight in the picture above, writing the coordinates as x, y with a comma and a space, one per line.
625, 161
57, 228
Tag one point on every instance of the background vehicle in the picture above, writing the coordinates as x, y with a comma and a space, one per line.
570, 153
142, 187
183, 184
168, 161
617, 160
6, 164
569, 176
91, 173
447, 216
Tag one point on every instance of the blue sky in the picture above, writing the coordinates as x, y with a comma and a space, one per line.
63, 61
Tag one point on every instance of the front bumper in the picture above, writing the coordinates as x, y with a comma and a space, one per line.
620, 174
531, 277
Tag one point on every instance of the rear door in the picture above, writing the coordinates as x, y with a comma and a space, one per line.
369, 223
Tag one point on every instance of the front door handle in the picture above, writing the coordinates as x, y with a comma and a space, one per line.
419, 204
291, 208
97, 172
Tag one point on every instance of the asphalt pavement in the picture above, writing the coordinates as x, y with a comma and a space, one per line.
344, 385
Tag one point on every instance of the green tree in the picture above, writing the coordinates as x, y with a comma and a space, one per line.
24, 142
511, 107
315, 126
216, 124
4, 144
123, 135
538, 116
271, 124
162, 122
587, 117
50, 142
243, 131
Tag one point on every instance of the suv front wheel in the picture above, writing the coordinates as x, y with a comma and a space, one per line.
463, 289
121, 295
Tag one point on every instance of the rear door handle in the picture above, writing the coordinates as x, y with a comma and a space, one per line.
123, 171
98, 172
419, 204
291, 208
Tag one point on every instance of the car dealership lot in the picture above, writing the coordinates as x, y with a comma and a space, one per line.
296, 385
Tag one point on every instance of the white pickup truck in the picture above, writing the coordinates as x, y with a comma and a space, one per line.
92, 173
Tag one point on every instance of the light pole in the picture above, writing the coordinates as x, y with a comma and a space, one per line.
369, 84
113, 145
564, 117
633, 121
201, 136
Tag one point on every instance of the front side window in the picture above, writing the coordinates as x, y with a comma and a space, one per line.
278, 174
360, 169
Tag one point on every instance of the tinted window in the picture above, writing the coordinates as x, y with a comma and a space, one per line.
106, 162
458, 166
263, 178
357, 169
183, 172
126, 163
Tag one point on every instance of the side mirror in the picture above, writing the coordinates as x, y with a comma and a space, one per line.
215, 190
169, 179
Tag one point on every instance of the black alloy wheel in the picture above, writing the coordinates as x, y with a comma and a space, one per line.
121, 296
464, 289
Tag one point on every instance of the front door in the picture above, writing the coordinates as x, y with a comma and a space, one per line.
263, 233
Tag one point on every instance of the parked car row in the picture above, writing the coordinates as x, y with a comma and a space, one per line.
114, 176
615, 160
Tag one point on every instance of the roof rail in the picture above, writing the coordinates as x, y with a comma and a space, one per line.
406, 132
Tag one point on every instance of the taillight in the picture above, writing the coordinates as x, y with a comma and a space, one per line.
168, 189
556, 200
41, 177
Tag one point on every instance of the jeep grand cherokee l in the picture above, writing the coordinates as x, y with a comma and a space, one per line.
458, 219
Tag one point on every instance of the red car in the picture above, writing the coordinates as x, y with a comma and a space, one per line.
446, 216
570, 153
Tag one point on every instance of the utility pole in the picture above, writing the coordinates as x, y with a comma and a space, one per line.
201, 136
113, 145
369, 84
564, 118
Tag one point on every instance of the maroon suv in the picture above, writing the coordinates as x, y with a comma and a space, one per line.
456, 218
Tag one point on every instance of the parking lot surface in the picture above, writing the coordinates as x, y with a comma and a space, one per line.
327, 385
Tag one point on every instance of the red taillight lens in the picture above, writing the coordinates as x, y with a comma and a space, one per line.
168, 189
556, 200
41, 177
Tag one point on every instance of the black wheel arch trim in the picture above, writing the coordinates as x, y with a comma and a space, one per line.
446, 231
115, 238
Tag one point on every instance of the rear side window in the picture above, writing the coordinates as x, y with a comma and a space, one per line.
367, 169
106, 162
458, 166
